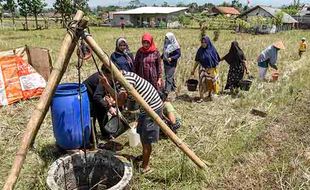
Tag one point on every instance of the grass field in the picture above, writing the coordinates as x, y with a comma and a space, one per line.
245, 151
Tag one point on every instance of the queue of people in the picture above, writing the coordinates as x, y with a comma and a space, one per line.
145, 70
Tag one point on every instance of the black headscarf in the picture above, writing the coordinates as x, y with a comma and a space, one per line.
235, 56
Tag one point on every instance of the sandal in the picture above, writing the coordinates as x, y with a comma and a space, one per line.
145, 171
200, 100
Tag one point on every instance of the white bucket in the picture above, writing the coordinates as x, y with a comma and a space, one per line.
133, 137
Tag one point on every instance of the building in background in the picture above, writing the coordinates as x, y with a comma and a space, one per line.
147, 16
288, 22
226, 11
303, 17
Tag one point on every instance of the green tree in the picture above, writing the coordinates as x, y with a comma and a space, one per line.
134, 4
180, 4
11, 6
277, 20
24, 10
81, 5
36, 7
65, 8
193, 7
165, 4
236, 4
1, 12
225, 4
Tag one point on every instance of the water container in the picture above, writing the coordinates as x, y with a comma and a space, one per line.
133, 137
66, 116
116, 126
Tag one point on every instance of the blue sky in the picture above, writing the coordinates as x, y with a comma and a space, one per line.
94, 3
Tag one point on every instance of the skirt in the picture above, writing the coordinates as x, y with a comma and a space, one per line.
208, 80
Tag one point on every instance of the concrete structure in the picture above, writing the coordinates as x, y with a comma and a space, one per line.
147, 16
288, 22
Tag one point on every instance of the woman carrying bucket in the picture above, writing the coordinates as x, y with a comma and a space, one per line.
237, 65
170, 56
122, 57
208, 59
267, 58
148, 63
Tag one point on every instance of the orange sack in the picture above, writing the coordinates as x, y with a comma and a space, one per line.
18, 80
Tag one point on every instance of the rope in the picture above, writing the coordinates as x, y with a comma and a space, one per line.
79, 66
113, 77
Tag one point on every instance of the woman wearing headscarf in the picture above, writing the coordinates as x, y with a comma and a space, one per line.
170, 56
208, 59
267, 58
237, 65
148, 63
122, 57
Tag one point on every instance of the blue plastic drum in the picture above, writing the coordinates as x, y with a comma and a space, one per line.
66, 116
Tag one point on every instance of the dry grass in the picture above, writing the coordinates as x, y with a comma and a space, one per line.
222, 132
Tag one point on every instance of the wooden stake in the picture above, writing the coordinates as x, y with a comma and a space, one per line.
38, 115
119, 77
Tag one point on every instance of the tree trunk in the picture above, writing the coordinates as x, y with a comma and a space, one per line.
63, 20
26, 24
36, 19
13, 19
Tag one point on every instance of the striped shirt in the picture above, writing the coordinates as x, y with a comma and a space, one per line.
144, 88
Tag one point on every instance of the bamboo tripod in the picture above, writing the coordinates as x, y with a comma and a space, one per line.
59, 69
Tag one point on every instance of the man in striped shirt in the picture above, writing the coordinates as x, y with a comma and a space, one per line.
147, 128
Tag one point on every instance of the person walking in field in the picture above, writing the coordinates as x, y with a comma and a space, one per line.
302, 47
267, 58
147, 128
170, 56
122, 56
148, 64
208, 59
237, 66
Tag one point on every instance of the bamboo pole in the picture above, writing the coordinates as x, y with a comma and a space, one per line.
119, 77
38, 115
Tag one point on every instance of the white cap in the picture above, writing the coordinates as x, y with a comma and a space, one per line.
303, 38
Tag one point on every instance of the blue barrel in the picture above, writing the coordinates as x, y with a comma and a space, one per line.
66, 116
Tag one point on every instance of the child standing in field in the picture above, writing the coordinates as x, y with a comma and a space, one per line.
302, 47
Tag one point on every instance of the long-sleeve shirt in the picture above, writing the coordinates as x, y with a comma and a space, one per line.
98, 97
91, 84
268, 56
96, 93
149, 66
122, 61
174, 56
